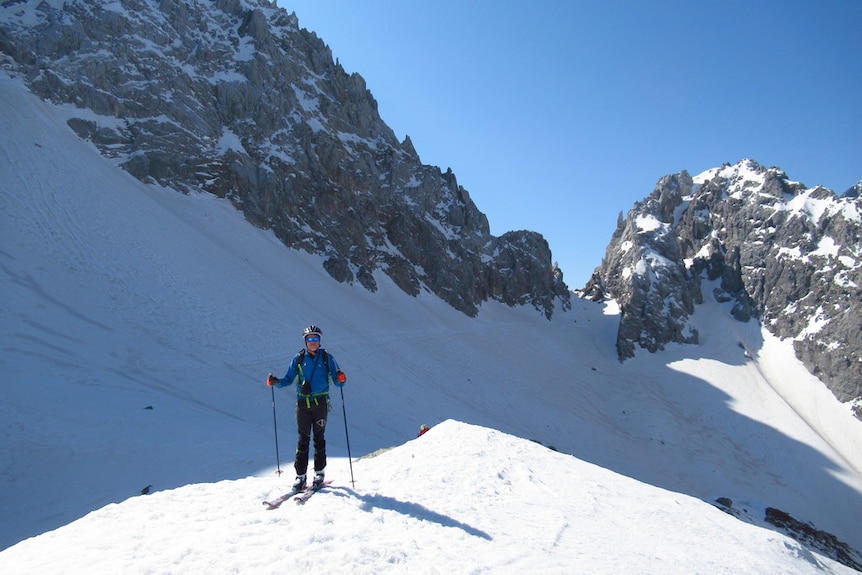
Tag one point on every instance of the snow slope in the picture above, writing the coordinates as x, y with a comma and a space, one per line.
515, 507
138, 326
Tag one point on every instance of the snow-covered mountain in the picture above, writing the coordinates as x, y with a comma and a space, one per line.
785, 255
232, 97
137, 328
138, 324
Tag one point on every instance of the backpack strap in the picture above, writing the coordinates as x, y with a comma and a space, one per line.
325, 359
301, 376
326, 365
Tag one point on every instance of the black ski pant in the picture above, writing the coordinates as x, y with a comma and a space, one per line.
311, 417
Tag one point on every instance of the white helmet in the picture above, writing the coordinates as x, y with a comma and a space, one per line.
311, 330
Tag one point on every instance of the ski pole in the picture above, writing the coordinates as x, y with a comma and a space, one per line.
347, 435
275, 428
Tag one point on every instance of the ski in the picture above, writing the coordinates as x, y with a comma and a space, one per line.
274, 504
306, 495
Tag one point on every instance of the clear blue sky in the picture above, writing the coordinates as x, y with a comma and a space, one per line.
557, 115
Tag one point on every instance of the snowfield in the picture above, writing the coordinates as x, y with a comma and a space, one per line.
512, 507
137, 327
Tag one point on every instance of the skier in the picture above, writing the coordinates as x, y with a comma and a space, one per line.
311, 370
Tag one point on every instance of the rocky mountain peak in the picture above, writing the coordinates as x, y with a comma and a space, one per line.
853, 192
783, 254
233, 98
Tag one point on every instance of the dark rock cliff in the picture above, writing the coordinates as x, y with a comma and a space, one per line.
785, 255
232, 97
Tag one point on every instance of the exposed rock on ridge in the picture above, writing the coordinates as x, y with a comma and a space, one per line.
233, 98
784, 254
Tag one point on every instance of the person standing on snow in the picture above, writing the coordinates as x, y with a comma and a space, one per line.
312, 371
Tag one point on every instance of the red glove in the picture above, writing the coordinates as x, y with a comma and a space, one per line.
341, 377
271, 380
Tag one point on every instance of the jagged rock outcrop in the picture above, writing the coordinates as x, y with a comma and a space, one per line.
643, 270
784, 254
232, 97
853, 192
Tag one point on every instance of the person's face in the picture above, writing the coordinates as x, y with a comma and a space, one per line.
312, 343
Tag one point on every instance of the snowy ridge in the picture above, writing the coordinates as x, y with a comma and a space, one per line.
499, 504
138, 326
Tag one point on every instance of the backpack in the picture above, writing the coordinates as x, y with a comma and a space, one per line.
325, 365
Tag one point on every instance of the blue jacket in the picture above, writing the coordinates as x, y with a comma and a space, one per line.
313, 370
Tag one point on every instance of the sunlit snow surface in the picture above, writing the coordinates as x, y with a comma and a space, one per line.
138, 326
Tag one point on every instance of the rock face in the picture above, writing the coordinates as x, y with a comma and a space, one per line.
232, 97
785, 255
